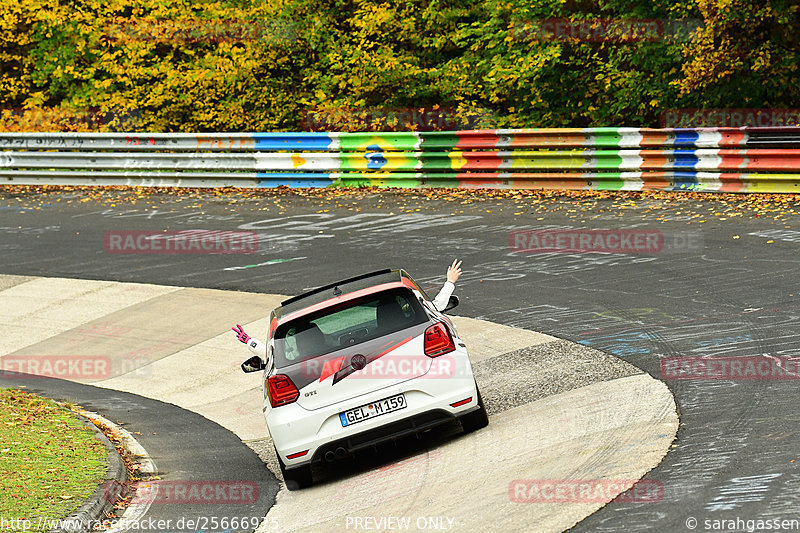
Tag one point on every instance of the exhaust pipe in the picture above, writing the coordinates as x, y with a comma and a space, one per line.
341, 453
330, 456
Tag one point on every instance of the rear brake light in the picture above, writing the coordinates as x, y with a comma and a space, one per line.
296, 455
438, 340
281, 390
462, 402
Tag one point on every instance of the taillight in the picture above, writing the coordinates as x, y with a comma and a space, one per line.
438, 340
281, 390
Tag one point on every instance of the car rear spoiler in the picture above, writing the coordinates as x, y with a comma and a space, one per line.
336, 284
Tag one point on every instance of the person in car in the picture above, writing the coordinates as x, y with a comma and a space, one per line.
440, 302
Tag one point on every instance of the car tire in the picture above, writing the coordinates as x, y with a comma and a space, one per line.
295, 478
476, 419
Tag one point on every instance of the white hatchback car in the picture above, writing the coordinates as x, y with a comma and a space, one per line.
357, 363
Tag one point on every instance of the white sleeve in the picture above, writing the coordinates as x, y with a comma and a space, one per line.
258, 348
441, 300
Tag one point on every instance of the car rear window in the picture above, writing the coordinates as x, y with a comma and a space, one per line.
346, 325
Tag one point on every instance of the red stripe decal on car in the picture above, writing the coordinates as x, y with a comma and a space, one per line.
331, 367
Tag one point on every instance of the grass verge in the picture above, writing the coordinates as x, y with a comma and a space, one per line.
50, 461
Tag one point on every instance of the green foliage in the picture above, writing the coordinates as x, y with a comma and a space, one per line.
50, 462
151, 65
234, 65
746, 55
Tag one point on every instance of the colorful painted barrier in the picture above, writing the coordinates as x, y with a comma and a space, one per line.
709, 159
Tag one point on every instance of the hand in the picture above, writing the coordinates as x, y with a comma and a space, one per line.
454, 271
240, 334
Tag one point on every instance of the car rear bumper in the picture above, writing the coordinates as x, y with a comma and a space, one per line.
411, 425
314, 433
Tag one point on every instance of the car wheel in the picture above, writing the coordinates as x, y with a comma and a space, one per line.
295, 478
476, 419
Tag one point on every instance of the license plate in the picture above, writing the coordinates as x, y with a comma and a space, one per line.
371, 410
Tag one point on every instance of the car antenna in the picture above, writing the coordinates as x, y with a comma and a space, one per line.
337, 291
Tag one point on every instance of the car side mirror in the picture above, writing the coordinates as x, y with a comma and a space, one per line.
254, 364
451, 303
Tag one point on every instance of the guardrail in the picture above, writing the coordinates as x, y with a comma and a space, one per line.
710, 159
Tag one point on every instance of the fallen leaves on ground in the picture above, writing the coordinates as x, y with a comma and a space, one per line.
695, 207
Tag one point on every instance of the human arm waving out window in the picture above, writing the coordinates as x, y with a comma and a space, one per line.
453, 273
256, 346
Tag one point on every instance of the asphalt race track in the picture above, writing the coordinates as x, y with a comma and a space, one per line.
724, 286
173, 345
